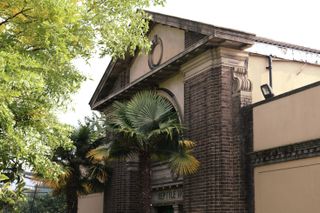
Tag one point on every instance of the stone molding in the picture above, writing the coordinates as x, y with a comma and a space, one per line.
156, 41
286, 153
197, 65
237, 60
170, 96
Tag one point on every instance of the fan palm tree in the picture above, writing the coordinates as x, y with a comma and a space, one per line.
148, 127
82, 175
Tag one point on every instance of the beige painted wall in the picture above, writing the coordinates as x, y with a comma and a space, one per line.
176, 85
92, 203
290, 187
287, 75
173, 43
291, 119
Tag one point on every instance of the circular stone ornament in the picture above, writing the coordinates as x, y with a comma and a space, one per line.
156, 53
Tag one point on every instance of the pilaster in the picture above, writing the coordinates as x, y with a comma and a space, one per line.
216, 88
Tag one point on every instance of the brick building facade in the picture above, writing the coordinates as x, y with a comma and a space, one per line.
212, 76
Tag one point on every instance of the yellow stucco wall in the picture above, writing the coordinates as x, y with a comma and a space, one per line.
291, 119
290, 187
176, 85
92, 203
287, 75
173, 43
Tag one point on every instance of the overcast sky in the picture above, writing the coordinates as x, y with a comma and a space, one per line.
283, 20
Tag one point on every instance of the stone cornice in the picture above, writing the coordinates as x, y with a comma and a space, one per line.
246, 39
215, 57
218, 57
170, 185
198, 65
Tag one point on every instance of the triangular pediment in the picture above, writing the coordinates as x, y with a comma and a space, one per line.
171, 36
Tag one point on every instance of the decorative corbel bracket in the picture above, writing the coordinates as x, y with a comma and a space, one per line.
240, 80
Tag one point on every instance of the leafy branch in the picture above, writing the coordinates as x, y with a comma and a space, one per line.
23, 10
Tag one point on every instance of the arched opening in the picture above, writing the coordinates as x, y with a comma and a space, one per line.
167, 194
172, 99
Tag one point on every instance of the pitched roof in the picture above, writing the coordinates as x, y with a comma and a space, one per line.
199, 27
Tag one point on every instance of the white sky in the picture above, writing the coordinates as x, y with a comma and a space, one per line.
292, 21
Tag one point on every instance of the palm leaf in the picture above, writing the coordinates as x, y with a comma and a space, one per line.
186, 144
146, 110
148, 123
119, 121
86, 188
57, 185
99, 171
169, 128
183, 163
101, 153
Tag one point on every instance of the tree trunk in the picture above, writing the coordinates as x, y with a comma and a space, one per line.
145, 181
71, 196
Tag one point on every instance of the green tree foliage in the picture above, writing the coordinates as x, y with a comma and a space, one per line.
9, 197
81, 175
39, 39
148, 127
47, 203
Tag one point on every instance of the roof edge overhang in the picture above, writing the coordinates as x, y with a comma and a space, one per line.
285, 45
208, 29
195, 26
102, 82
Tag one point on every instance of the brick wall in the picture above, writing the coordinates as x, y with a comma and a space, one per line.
212, 116
247, 116
201, 109
121, 194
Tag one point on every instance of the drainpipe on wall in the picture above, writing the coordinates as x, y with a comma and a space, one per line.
269, 67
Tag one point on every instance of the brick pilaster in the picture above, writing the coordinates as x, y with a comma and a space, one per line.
214, 96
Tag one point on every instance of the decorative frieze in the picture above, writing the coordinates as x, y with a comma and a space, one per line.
169, 195
285, 153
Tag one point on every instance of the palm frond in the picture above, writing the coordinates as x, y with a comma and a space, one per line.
119, 120
147, 109
101, 153
57, 185
186, 144
169, 128
123, 147
149, 123
100, 172
183, 163
85, 188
